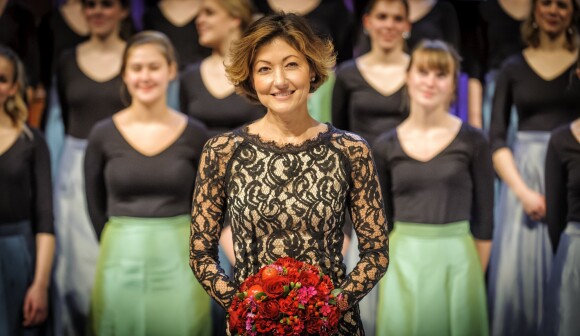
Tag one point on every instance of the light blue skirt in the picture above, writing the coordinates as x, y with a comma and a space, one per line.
16, 274
77, 247
521, 255
562, 309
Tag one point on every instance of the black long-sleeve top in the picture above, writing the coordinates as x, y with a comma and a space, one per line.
18, 31
542, 105
503, 36
288, 201
218, 114
184, 38
562, 182
439, 23
360, 108
455, 185
25, 183
121, 181
330, 19
83, 100
55, 36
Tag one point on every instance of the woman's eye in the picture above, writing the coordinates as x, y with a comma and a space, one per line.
262, 69
292, 65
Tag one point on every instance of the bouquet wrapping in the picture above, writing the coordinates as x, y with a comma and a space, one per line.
287, 297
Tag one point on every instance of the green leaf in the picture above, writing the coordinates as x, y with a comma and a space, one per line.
260, 296
242, 295
336, 291
300, 306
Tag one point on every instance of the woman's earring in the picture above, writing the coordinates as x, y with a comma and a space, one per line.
534, 25
312, 79
406, 35
570, 31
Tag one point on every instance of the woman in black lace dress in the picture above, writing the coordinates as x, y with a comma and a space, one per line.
286, 180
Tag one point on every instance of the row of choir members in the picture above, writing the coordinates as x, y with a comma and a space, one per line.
467, 26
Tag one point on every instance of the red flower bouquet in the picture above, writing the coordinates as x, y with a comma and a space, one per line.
288, 297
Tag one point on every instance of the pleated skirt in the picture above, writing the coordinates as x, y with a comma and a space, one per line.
434, 284
144, 285
562, 308
77, 247
16, 275
521, 255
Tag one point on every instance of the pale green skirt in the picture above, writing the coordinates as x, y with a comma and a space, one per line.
434, 284
144, 285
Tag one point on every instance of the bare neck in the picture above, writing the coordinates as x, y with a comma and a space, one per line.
148, 113
381, 56
424, 118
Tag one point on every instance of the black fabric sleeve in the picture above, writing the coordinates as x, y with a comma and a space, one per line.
207, 217
60, 90
46, 49
482, 173
556, 200
30, 53
380, 150
343, 33
340, 101
95, 187
451, 27
369, 222
42, 217
501, 109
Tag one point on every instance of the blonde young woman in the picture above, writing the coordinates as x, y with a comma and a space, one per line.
26, 221
140, 171
437, 176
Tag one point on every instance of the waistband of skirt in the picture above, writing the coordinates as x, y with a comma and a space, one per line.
459, 228
16, 228
76, 142
122, 221
533, 136
573, 229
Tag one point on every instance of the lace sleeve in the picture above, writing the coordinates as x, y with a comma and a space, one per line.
209, 206
369, 221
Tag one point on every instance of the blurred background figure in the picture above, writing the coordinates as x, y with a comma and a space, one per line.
89, 89
562, 298
140, 170
535, 81
365, 103
26, 217
437, 178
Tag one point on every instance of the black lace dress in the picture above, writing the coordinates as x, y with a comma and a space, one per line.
289, 201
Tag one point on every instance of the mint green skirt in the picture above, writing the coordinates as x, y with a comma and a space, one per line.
434, 284
144, 285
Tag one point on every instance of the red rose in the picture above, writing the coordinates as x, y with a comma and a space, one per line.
270, 309
265, 325
309, 279
289, 263
314, 326
274, 287
289, 307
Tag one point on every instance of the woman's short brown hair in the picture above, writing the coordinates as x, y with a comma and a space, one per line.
295, 31
531, 32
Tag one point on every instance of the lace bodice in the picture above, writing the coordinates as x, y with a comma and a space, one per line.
288, 201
